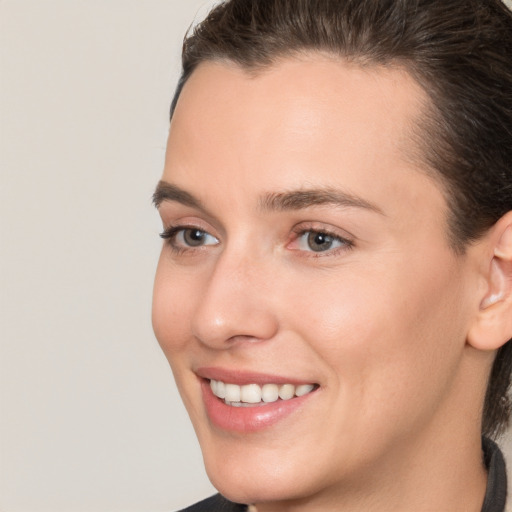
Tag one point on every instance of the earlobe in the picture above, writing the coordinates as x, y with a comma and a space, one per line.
492, 327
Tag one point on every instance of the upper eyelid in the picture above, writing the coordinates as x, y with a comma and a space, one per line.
327, 231
175, 209
190, 219
319, 227
189, 222
174, 229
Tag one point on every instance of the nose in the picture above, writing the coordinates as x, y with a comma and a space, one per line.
236, 305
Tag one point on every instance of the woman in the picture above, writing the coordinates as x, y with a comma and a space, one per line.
334, 293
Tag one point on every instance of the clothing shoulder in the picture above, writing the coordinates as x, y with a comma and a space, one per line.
215, 503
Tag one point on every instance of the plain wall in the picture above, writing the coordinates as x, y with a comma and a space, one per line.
89, 416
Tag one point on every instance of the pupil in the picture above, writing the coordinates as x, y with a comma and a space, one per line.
194, 237
319, 241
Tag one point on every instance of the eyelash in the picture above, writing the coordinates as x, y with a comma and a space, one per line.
169, 235
346, 244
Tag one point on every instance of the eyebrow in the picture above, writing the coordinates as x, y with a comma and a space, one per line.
277, 201
166, 192
301, 199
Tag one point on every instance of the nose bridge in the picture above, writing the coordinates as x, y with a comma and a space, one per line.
235, 304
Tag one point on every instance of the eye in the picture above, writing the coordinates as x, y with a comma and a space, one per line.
320, 241
184, 238
192, 237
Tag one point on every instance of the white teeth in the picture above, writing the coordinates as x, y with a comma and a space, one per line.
244, 396
269, 393
304, 389
286, 391
251, 394
221, 389
232, 393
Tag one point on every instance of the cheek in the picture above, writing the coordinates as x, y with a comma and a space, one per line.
386, 335
173, 302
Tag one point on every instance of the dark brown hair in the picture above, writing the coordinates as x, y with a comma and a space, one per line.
459, 51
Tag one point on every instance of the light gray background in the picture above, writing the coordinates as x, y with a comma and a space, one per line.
89, 417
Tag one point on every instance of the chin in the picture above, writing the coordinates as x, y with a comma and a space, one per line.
261, 477
240, 490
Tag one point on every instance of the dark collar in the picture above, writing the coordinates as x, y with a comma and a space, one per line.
496, 494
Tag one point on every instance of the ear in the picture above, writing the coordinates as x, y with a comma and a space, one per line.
492, 326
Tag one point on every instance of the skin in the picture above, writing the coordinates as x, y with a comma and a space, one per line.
380, 323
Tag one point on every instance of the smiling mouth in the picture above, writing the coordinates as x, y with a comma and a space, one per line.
253, 395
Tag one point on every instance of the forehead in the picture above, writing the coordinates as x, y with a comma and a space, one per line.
314, 121
313, 82
303, 97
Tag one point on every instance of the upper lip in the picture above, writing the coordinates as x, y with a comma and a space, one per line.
241, 378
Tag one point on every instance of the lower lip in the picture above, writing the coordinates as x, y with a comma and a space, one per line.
248, 419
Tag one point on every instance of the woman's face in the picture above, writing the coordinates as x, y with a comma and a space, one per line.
306, 253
